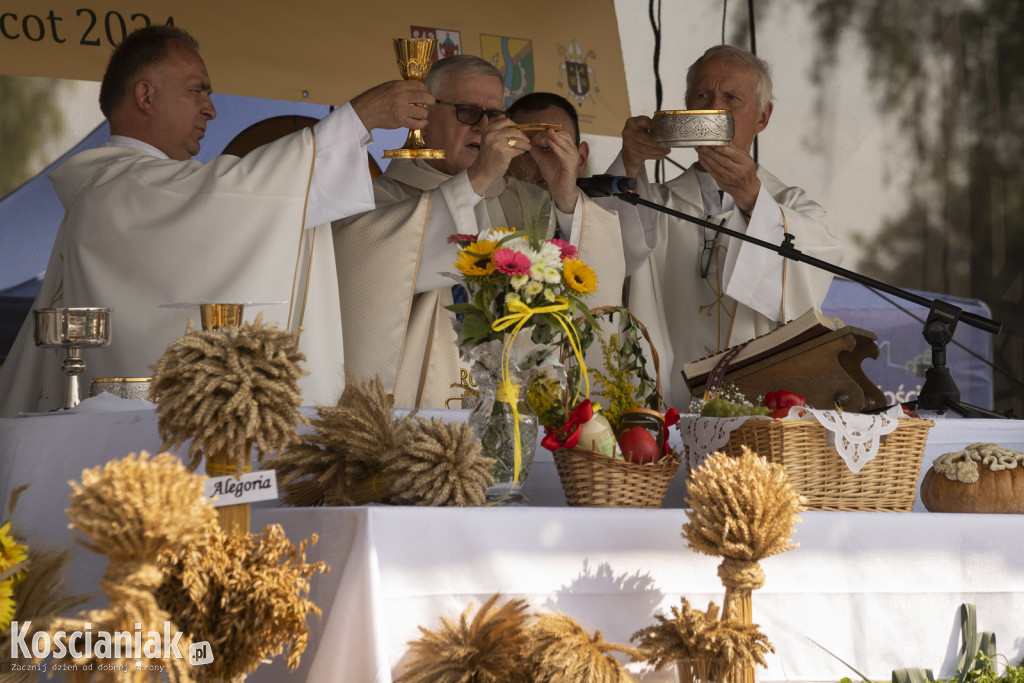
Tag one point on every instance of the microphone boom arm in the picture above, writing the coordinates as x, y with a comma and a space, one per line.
939, 391
787, 250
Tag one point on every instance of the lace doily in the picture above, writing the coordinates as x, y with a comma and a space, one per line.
704, 435
855, 436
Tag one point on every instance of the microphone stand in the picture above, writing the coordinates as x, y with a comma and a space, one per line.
939, 392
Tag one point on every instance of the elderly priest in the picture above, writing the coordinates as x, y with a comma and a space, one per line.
145, 225
701, 292
391, 261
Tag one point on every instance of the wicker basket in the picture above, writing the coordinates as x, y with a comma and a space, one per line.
592, 479
888, 483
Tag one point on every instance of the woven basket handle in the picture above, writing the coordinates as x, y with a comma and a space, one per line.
622, 310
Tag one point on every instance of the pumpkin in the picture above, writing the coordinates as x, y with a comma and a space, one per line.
1001, 491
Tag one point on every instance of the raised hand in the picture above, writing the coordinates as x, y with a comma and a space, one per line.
735, 171
500, 142
638, 145
394, 104
558, 160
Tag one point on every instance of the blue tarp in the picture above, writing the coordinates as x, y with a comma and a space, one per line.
904, 355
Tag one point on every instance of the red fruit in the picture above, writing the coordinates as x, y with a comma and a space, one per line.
779, 414
782, 399
638, 446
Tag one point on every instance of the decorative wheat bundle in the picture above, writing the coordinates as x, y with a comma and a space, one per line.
245, 595
328, 466
486, 649
439, 464
559, 649
133, 510
744, 510
226, 389
359, 453
703, 646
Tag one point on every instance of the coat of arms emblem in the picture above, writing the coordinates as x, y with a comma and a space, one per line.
575, 73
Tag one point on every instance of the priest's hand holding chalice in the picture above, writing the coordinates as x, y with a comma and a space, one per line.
415, 56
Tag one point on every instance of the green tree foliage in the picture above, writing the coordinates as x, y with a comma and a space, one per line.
952, 73
29, 116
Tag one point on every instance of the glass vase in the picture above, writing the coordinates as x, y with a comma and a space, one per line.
493, 420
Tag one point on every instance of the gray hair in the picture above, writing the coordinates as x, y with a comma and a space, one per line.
461, 65
762, 70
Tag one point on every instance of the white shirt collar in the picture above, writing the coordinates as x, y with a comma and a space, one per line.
124, 141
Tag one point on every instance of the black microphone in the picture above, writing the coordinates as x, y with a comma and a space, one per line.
606, 185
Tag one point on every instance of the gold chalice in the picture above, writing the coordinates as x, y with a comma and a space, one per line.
73, 329
414, 55
216, 316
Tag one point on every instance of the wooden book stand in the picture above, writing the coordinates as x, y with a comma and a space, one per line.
824, 370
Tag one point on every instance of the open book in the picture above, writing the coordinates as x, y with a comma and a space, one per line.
811, 324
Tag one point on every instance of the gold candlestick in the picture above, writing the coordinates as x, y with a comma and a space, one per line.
415, 56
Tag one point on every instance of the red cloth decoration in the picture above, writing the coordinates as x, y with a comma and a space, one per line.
671, 417
569, 434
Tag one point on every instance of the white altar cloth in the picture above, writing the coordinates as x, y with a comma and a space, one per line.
880, 590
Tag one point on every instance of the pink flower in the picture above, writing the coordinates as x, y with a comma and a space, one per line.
568, 251
512, 262
461, 238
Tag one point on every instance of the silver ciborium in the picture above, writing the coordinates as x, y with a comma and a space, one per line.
73, 329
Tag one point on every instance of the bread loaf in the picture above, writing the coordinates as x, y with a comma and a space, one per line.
981, 478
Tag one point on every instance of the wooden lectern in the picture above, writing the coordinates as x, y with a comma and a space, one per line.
825, 370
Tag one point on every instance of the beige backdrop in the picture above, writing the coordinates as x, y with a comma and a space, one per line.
326, 51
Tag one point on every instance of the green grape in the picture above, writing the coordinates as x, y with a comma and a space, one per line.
721, 407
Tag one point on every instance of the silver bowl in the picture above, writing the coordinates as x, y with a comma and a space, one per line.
72, 327
135, 388
693, 127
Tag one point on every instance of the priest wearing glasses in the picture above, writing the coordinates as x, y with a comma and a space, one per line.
391, 260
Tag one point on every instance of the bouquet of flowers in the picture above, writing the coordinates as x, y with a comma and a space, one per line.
512, 274
516, 282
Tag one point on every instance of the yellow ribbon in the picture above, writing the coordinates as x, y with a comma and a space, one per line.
507, 391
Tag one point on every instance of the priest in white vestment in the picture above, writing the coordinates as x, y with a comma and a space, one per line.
701, 292
145, 225
391, 261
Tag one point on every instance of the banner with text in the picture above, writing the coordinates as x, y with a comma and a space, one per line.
326, 52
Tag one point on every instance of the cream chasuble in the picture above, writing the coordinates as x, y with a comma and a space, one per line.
141, 231
690, 316
405, 338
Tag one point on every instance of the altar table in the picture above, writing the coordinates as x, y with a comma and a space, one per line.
879, 590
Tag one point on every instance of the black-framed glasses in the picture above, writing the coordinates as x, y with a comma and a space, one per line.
470, 114
707, 254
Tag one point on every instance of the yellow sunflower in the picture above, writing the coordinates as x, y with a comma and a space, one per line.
11, 555
579, 276
6, 604
11, 552
475, 260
